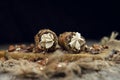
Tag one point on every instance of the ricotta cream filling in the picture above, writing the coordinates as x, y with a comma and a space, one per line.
76, 41
47, 40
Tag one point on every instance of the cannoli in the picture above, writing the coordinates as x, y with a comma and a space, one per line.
71, 41
45, 40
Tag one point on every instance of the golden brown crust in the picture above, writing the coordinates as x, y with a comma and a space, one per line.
64, 39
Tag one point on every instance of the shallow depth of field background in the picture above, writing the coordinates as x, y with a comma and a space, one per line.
20, 20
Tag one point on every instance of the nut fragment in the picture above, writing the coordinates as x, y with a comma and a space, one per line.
95, 49
30, 48
11, 48
43, 62
71, 41
21, 48
46, 40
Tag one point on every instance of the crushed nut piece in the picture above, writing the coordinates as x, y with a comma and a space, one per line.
11, 48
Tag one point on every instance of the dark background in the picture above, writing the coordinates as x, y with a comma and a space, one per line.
21, 20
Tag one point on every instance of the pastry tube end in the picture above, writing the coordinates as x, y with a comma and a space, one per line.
71, 41
45, 40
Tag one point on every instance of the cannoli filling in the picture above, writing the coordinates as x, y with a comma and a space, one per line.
76, 41
47, 40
